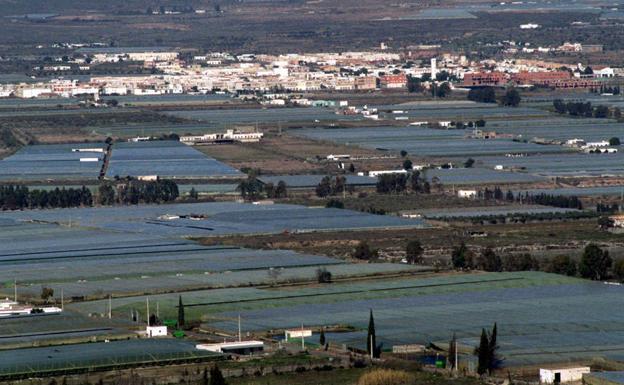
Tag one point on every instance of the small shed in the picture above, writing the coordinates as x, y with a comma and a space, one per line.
156, 331
239, 347
562, 375
297, 334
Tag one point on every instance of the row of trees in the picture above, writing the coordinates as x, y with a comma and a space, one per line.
487, 352
604, 89
21, 197
538, 199
585, 109
331, 186
482, 95
595, 263
398, 183
253, 189
134, 191
272, 191
511, 97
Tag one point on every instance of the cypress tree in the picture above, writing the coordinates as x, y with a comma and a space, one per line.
492, 350
216, 377
322, 337
180, 312
483, 353
452, 350
371, 341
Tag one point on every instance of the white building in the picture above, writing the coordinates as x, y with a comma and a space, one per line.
332, 157
288, 334
156, 331
239, 347
11, 308
562, 375
229, 135
386, 172
467, 193
34, 91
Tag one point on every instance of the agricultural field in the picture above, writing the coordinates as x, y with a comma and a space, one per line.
560, 165
480, 176
58, 328
214, 219
462, 110
98, 355
474, 212
170, 99
577, 191
425, 142
539, 315
311, 181
225, 118
152, 129
53, 162
285, 154
426, 310
127, 263
591, 130
166, 159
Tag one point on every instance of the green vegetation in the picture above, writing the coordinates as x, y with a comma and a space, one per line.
414, 252
585, 110
398, 183
511, 98
372, 349
595, 263
279, 191
363, 251
328, 186
251, 188
181, 315
216, 377
482, 95
134, 191
21, 197
487, 352
323, 276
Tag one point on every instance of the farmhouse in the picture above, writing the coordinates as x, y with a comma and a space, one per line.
239, 347
228, 136
562, 375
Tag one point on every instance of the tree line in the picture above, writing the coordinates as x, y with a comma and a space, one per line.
398, 183
253, 189
134, 191
562, 201
510, 98
585, 109
595, 263
329, 186
21, 197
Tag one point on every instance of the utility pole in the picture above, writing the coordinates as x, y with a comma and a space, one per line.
110, 306
15, 289
240, 337
157, 310
62, 300
302, 338
147, 314
456, 358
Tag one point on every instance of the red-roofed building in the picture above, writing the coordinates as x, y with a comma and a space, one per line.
393, 81
544, 78
485, 79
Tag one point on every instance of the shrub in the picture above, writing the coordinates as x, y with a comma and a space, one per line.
364, 251
323, 275
385, 377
